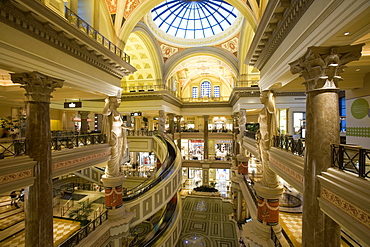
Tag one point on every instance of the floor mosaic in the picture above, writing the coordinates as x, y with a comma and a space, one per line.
206, 222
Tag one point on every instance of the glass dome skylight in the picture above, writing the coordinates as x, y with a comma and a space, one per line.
195, 19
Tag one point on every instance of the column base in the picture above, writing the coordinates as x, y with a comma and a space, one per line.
113, 197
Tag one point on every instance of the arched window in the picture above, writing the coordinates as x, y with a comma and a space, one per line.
205, 89
195, 92
216, 91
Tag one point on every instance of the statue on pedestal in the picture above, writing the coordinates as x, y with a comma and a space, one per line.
115, 133
267, 131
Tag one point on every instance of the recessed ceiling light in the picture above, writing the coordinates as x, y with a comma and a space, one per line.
346, 33
357, 69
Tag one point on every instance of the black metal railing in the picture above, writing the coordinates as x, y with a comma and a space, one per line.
83, 26
287, 142
72, 141
274, 238
12, 147
352, 159
74, 239
250, 134
249, 184
143, 132
16, 147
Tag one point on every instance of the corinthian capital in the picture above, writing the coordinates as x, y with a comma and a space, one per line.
321, 66
38, 86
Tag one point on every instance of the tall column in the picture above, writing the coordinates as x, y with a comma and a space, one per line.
268, 189
84, 116
178, 118
171, 117
205, 128
137, 123
235, 117
161, 122
320, 67
39, 196
150, 123
242, 121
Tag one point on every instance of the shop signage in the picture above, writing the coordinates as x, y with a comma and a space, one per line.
72, 104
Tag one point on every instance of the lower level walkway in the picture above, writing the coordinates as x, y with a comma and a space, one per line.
207, 220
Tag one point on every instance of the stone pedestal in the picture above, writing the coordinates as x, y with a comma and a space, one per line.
113, 197
268, 210
320, 67
39, 196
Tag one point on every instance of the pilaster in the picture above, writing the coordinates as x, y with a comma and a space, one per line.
205, 128
39, 196
321, 68
84, 124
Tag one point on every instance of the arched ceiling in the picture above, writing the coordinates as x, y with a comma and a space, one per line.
142, 60
202, 66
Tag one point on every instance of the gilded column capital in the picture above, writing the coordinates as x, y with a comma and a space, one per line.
321, 66
84, 114
38, 86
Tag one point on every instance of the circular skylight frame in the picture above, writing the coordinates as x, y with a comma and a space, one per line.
194, 19
227, 31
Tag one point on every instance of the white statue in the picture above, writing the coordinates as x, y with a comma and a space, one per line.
115, 133
267, 131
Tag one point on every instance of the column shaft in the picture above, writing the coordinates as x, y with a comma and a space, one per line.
205, 129
39, 197
322, 129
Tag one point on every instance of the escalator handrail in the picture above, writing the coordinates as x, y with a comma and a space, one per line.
159, 176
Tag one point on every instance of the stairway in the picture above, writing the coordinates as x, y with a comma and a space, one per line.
11, 218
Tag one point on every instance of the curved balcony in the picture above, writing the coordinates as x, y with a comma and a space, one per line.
162, 187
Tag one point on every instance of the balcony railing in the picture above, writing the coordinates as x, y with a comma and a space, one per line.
287, 142
85, 231
16, 147
84, 27
206, 99
352, 159
250, 134
148, 88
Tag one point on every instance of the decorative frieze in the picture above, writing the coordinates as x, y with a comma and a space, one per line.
15, 176
346, 206
76, 161
290, 172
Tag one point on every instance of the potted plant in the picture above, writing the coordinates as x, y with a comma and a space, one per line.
82, 212
9, 127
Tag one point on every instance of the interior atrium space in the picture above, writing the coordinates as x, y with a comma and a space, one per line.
173, 123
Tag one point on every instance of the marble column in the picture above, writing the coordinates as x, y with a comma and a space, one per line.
137, 123
242, 121
268, 188
235, 117
320, 67
178, 118
161, 122
39, 196
84, 124
171, 117
205, 129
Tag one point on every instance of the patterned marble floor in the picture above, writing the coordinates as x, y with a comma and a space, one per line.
205, 222
62, 229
